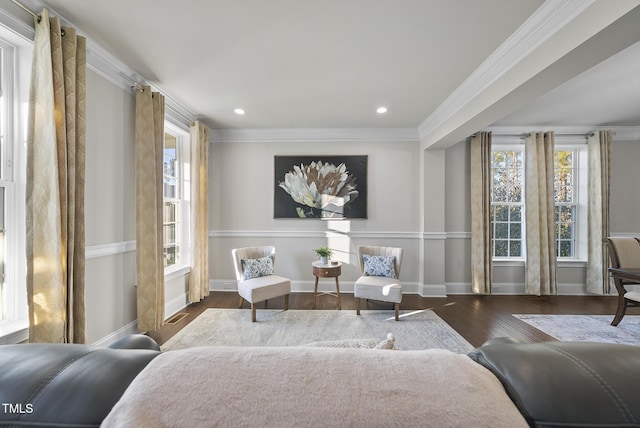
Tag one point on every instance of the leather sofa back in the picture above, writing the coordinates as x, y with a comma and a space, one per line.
568, 384
70, 385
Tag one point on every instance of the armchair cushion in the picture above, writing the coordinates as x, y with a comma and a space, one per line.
379, 266
255, 268
378, 288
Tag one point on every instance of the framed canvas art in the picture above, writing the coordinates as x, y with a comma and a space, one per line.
320, 187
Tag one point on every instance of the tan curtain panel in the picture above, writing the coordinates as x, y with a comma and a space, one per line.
481, 236
540, 272
55, 184
149, 142
599, 148
199, 276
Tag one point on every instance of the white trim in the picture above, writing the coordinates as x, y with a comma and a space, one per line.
546, 21
511, 289
458, 235
175, 305
131, 328
433, 290
313, 234
316, 135
100, 61
17, 26
346, 286
14, 332
102, 250
434, 236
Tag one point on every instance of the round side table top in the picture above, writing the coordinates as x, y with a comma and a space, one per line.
331, 264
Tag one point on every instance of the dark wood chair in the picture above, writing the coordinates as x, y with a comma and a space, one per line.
624, 252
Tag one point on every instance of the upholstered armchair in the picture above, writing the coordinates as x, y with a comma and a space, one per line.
256, 279
624, 252
380, 268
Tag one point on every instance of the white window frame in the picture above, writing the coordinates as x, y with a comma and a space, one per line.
15, 64
581, 197
520, 148
183, 263
579, 146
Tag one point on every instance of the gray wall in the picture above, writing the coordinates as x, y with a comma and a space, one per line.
241, 207
110, 209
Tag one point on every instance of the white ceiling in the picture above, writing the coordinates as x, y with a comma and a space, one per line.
330, 64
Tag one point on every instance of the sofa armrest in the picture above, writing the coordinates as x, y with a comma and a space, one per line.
64, 384
135, 341
560, 384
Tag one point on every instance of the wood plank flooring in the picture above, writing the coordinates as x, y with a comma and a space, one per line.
476, 318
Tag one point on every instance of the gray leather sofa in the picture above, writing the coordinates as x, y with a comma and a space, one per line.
567, 384
552, 384
68, 385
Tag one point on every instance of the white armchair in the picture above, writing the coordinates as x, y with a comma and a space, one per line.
256, 279
380, 268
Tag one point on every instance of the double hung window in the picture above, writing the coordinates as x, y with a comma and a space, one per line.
13, 306
508, 203
176, 197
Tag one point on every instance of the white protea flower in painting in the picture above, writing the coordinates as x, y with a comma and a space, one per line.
320, 185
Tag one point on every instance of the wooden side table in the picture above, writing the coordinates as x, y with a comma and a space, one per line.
331, 270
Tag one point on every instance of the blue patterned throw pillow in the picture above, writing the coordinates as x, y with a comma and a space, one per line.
379, 266
255, 268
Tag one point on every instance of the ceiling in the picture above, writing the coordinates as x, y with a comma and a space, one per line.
435, 64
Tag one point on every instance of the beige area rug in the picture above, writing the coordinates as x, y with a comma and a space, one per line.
587, 328
421, 329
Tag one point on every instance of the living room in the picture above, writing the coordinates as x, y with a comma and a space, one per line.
418, 182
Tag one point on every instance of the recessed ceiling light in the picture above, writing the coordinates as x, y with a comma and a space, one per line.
381, 110
239, 111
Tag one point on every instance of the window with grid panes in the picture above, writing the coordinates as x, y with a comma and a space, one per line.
508, 204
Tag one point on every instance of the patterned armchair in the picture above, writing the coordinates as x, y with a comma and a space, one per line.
380, 268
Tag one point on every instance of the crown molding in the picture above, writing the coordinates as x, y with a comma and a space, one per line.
547, 20
98, 60
316, 135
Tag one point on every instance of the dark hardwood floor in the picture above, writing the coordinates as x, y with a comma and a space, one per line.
476, 317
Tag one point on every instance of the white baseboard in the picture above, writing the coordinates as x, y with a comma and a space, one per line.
564, 289
433, 290
128, 329
175, 305
328, 284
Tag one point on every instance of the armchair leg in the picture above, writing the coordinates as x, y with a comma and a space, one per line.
241, 302
286, 302
397, 308
357, 306
253, 312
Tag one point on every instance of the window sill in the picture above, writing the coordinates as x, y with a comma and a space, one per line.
12, 332
173, 272
521, 262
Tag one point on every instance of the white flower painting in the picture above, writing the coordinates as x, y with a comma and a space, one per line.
327, 187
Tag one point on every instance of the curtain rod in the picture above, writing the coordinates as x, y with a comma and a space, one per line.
36, 16
526, 134
140, 88
26, 9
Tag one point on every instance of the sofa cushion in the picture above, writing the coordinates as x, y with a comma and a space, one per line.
319, 387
